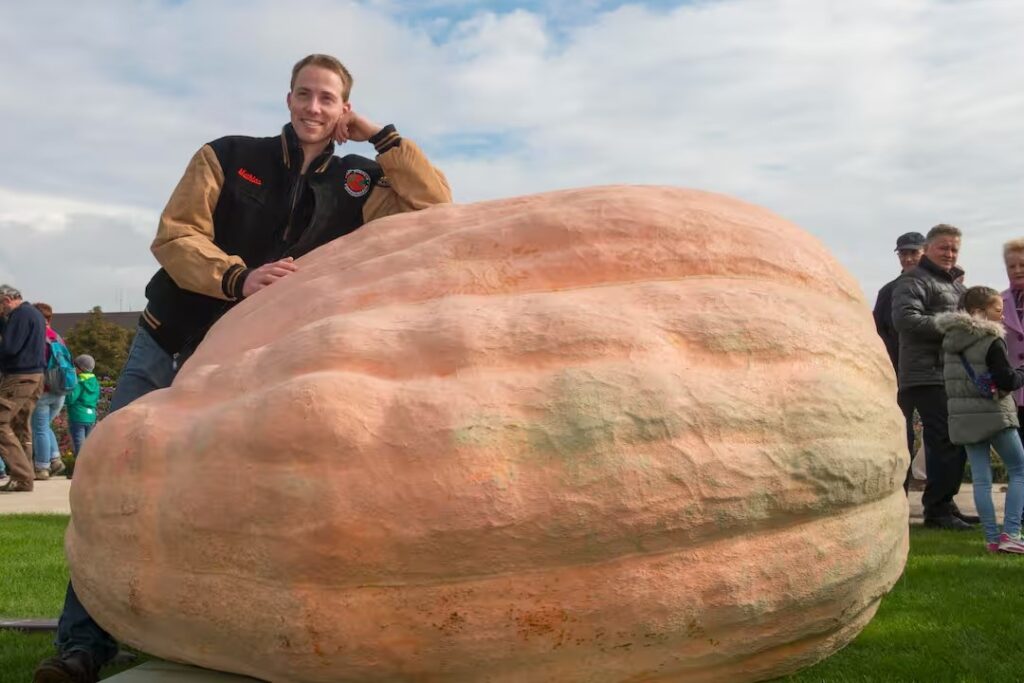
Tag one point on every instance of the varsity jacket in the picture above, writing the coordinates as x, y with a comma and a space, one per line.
243, 202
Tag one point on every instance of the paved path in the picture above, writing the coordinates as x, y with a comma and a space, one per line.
52, 496
49, 496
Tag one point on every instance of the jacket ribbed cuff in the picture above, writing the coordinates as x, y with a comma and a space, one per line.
386, 138
233, 281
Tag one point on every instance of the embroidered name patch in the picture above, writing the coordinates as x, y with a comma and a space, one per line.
249, 176
357, 183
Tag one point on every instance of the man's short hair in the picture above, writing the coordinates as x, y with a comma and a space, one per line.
1013, 247
942, 230
8, 292
45, 309
327, 62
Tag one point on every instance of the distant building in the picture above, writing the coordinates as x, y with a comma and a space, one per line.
63, 322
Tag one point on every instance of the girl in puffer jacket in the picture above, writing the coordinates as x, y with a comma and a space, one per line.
982, 413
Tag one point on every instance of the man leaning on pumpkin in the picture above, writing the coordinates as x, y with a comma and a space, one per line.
243, 211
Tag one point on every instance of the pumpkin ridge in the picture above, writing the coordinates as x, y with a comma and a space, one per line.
501, 206
534, 595
705, 335
705, 542
765, 659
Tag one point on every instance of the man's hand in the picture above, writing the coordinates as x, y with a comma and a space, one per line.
355, 127
268, 274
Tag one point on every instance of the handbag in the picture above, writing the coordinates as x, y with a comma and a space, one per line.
983, 382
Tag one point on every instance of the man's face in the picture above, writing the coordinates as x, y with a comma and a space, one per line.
943, 250
1015, 269
315, 104
5, 305
909, 258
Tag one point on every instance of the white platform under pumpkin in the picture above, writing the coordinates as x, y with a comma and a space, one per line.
157, 671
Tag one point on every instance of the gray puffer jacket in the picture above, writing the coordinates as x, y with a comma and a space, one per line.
919, 296
972, 417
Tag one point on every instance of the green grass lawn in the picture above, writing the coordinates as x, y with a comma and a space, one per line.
33, 576
956, 615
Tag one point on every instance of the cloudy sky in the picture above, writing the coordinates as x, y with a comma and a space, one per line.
857, 120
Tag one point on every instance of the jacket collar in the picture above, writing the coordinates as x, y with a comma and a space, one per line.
291, 151
952, 275
972, 325
1013, 321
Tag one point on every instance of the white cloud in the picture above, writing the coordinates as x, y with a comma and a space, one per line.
858, 121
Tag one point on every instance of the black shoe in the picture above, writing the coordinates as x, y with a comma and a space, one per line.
949, 523
68, 667
969, 519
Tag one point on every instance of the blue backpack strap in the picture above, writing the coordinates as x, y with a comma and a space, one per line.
983, 384
968, 368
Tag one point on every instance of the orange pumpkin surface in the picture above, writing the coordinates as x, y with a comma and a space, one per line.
610, 434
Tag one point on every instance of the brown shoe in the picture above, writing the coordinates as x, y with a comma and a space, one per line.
42, 474
56, 467
14, 486
69, 667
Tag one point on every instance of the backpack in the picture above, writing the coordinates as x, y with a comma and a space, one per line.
61, 376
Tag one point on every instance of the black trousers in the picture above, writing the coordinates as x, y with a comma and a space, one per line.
944, 460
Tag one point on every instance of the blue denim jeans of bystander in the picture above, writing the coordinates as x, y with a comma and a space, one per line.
79, 430
44, 442
1008, 445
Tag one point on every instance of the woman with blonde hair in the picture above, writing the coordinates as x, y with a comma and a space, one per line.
1013, 310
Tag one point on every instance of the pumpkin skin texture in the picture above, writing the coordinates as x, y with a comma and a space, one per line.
604, 435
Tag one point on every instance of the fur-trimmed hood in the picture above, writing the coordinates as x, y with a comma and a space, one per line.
962, 329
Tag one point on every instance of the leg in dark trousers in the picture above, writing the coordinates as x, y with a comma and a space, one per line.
909, 417
943, 459
77, 631
83, 644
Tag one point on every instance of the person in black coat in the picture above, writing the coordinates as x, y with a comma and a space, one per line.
920, 295
909, 249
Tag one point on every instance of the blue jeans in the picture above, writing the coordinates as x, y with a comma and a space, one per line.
1008, 445
148, 368
44, 442
79, 430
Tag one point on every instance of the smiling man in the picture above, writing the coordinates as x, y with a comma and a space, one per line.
933, 287
244, 210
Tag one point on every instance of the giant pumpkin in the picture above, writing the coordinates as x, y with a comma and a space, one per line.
613, 434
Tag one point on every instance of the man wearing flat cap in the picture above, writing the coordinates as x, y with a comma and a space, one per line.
909, 249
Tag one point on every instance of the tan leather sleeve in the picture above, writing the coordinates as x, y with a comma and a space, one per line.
184, 239
413, 183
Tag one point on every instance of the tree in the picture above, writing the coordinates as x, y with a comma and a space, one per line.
105, 341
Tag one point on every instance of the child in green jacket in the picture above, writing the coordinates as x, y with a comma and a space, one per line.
81, 402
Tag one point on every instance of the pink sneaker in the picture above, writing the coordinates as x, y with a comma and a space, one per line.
1011, 545
992, 547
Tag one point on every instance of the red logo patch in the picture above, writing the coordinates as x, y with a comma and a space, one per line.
357, 183
249, 176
